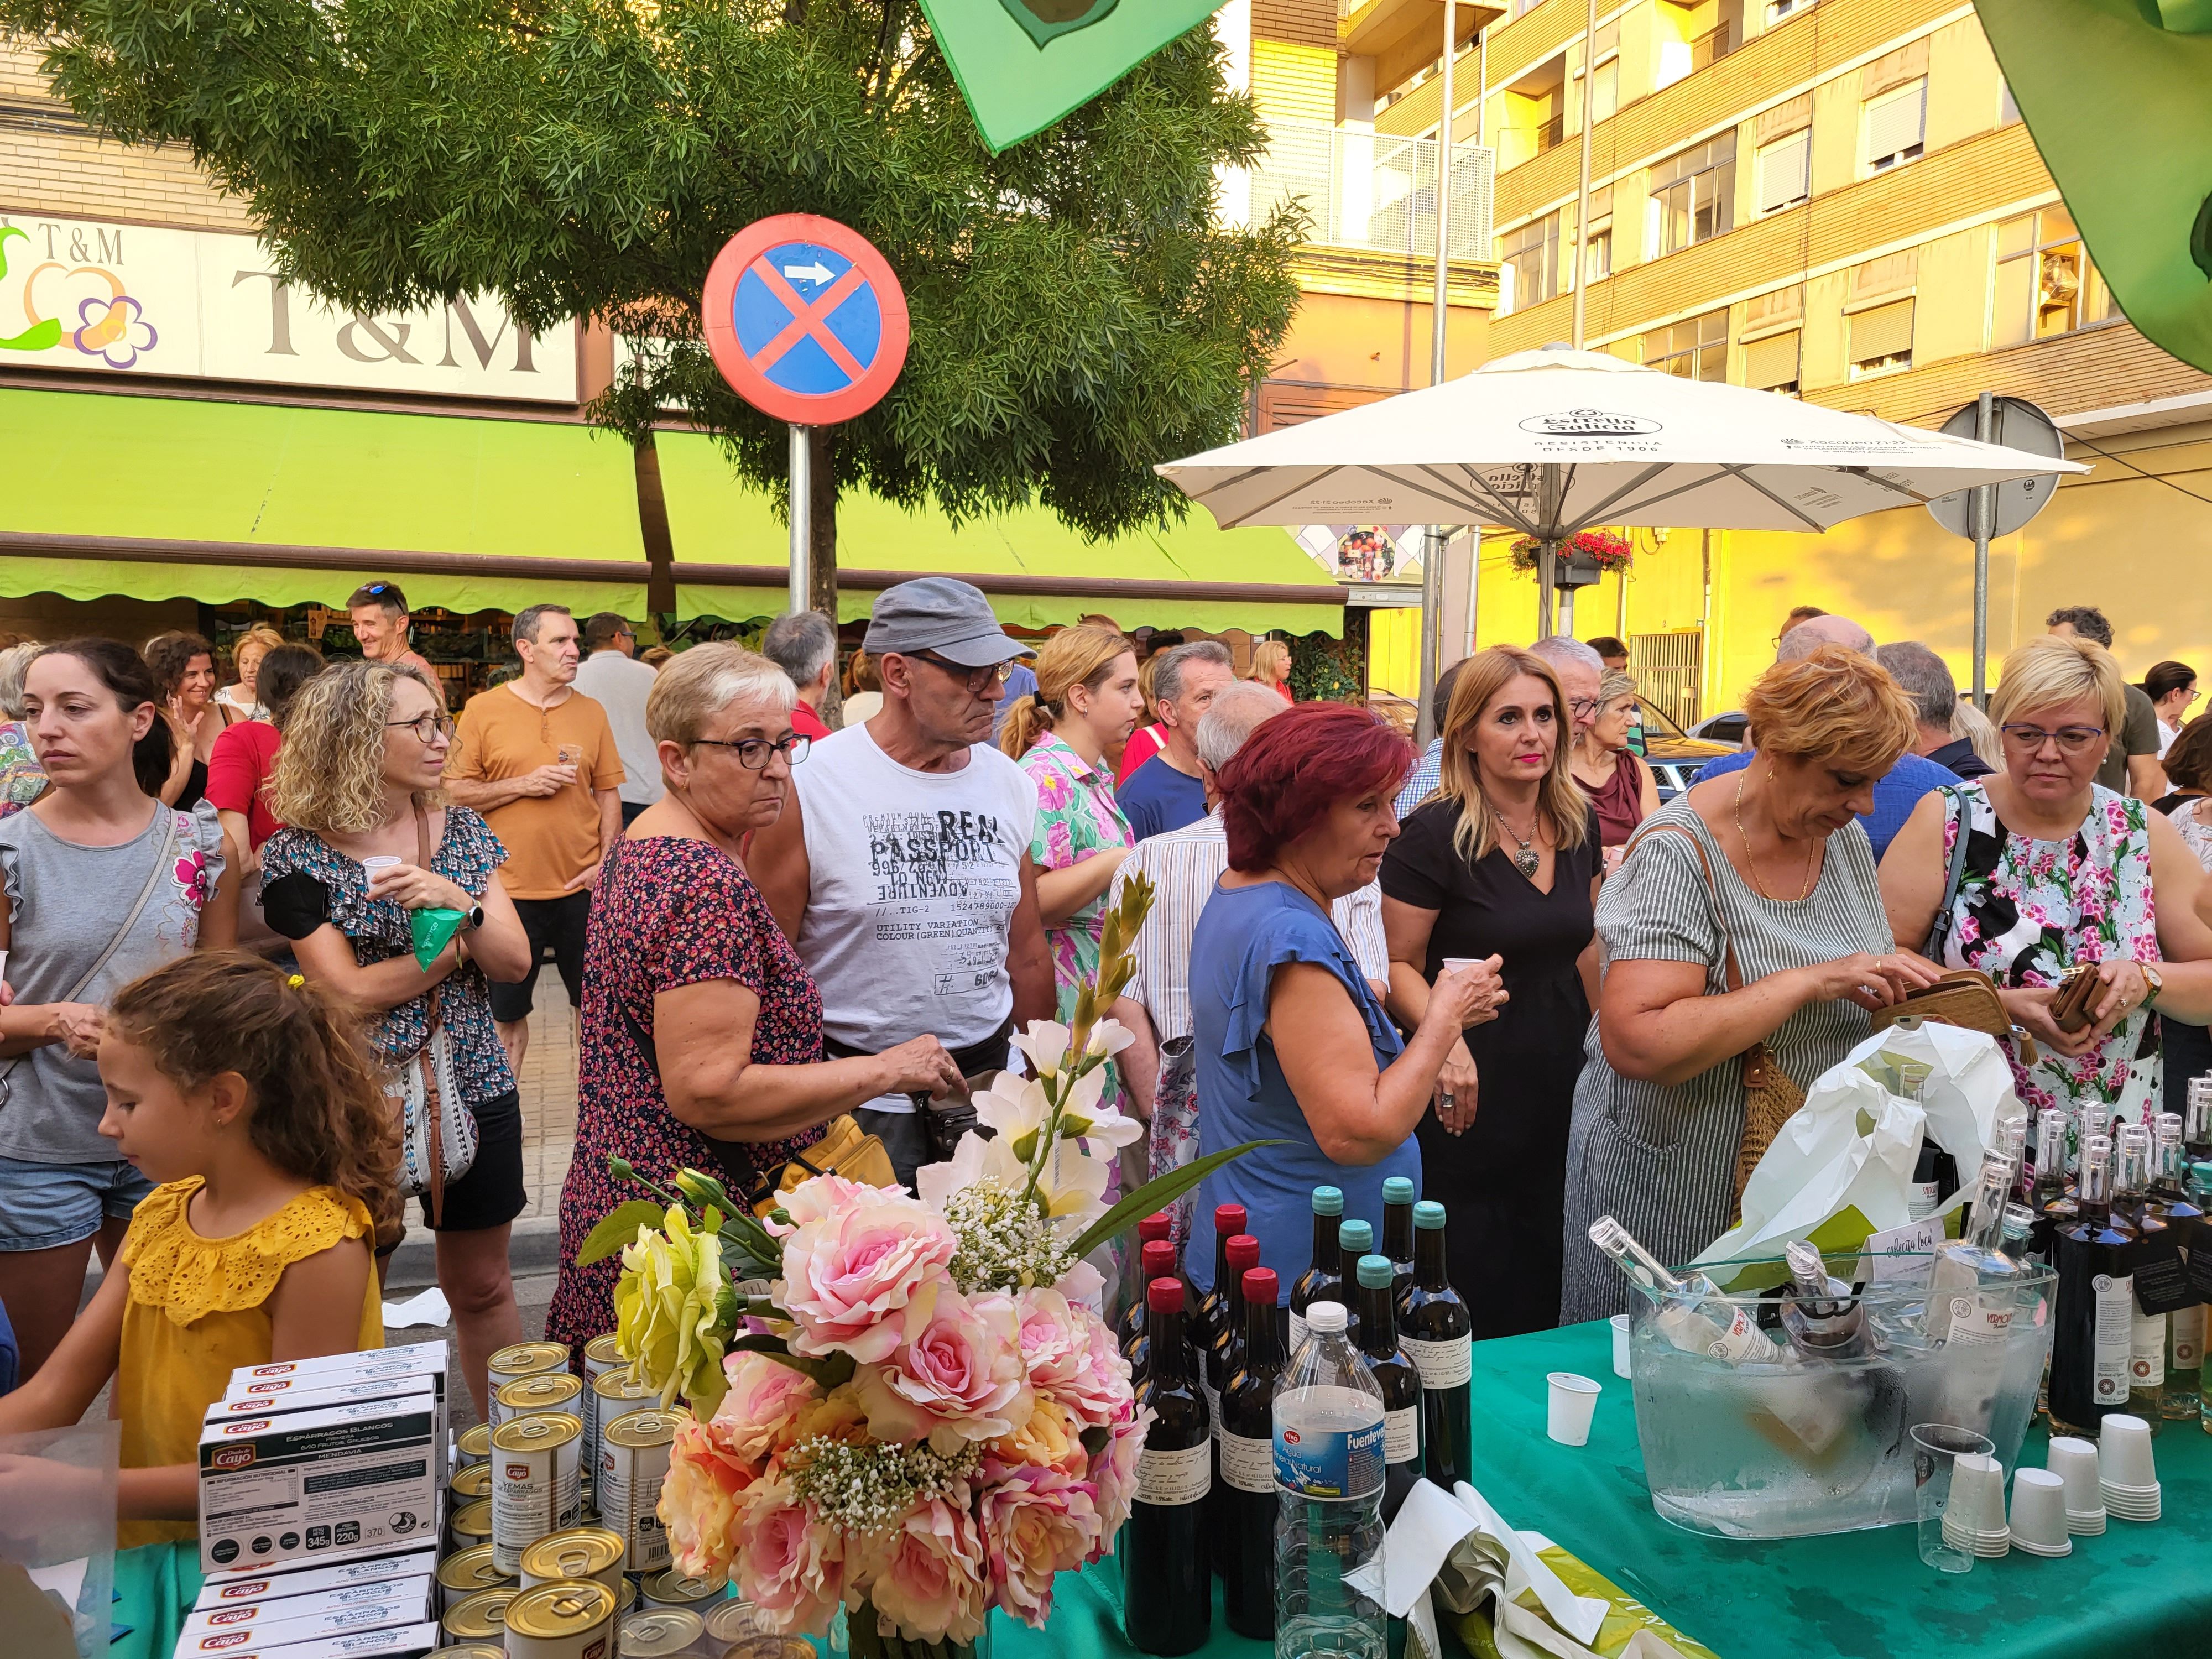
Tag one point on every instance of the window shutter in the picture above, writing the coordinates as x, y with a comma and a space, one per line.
1885, 331
1783, 172
1897, 122
1770, 363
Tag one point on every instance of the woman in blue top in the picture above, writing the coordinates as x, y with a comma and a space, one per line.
1293, 1043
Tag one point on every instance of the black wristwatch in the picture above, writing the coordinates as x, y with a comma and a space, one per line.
475, 918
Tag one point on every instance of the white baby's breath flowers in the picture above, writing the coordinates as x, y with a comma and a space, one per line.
874, 1484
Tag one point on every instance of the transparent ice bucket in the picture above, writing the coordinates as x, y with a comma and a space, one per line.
1809, 1446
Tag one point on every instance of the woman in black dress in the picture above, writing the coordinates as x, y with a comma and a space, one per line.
1503, 862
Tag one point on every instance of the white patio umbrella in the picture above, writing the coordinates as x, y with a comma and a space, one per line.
1553, 441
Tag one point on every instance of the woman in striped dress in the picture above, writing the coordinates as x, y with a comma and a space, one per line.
1659, 1108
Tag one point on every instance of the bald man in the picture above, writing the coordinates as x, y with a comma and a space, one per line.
1898, 790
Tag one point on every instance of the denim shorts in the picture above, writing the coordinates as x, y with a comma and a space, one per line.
50, 1205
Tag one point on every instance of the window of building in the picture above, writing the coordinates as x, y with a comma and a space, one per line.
1896, 125
1696, 349
1881, 339
1692, 195
1531, 253
1778, 10
1597, 245
2007, 111
1785, 172
1605, 99
2045, 283
1770, 364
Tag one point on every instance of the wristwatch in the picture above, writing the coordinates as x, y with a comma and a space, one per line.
475, 918
2155, 980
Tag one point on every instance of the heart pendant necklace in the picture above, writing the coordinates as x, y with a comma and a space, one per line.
1527, 859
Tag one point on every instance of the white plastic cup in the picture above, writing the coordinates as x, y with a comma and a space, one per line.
378, 863
1619, 1322
1574, 1401
2038, 1512
1977, 1506
2124, 1456
2074, 1461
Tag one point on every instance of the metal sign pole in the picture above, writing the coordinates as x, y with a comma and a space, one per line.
1985, 506
802, 545
1432, 560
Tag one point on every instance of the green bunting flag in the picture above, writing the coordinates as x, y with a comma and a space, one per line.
2118, 96
1022, 65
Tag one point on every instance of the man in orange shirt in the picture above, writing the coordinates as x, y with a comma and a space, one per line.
537, 759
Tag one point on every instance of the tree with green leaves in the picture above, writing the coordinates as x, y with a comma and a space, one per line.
1078, 312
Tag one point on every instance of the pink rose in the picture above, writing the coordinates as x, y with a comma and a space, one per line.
764, 1395
1114, 1472
788, 1562
1072, 1357
1037, 1524
857, 1261
958, 1376
702, 1496
929, 1576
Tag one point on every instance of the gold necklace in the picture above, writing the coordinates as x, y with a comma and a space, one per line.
1750, 859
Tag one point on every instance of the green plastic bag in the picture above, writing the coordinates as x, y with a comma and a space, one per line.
434, 931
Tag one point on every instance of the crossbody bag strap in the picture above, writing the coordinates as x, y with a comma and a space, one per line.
1955, 873
1731, 973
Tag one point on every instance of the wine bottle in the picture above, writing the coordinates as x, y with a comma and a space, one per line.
1248, 1463
1439, 1337
1215, 1366
1154, 1229
1321, 1282
1398, 1235
1167, 1594
1395, 1373
1354, 1239
2093, 1344
1209, 1327
1159, 1263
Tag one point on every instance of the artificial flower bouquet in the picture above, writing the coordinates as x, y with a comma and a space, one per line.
1601, 547
909, 1408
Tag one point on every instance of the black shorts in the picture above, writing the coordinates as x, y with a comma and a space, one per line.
491, 1194
561, 923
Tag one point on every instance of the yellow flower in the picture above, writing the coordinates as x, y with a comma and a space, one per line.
1051, 1439
674, 1312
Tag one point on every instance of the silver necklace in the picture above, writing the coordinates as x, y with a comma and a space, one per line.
1527, 859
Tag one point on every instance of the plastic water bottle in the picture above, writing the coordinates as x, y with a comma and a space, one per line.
1328, 1495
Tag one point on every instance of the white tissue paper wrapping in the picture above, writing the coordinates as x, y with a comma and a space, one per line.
1853, 1144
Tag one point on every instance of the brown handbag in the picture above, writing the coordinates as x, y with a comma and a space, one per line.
1771, 1095
1964, 997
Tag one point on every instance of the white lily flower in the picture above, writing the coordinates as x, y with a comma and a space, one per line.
1088, 1119
973, 1160
1046, 1044
1017, 1110
1073, 1186
1109, 1037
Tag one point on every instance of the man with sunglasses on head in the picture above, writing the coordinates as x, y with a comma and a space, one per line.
900, 865
378, 611
537, 759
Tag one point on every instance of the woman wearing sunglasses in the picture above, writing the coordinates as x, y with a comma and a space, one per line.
2059, 871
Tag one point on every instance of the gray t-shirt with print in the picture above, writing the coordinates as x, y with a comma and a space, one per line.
64, 903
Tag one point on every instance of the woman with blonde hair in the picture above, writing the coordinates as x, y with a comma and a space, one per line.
1086, 702
1746, 913
244, 699
864, 689
1503, 863
1271, 667
2059, 872
356, 782
1619, 786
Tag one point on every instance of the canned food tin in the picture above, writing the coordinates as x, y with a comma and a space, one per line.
626, 1598
475, 1444
471, 1525
522, 1360
467, 1650
532, 1396
633, 1451
535, 1483
672, 1588
481, 1617
469, 1572
613, 1395
471, 1484
567, 1618
766, 1647
659, 1634
580, 1552
727, 1621
601, 1355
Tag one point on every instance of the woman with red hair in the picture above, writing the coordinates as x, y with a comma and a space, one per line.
1292, 1044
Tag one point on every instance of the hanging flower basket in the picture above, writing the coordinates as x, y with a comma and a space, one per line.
1582, 561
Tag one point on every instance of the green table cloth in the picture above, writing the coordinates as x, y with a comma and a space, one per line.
1854, 1596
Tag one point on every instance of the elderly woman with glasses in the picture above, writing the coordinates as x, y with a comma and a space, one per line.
2058, 871
701, 1027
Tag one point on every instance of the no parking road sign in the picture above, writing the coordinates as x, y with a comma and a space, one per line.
805, 319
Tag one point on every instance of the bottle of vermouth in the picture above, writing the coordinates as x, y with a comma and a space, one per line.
1957, 1310
1821, 1318
2135, 1212
1354, 1239
1158, 1229
2012, 1141
2197, 1121
1210, 1324
1693, 1314
1216, 1365
1158, 1263
1167, 1594
1320, 1282
1401, 1382
2093, 1345
1248, 1463
2019, 1232
2048, 1197
1438, 1334
2169, 1181
1398, 1235
2184, 1327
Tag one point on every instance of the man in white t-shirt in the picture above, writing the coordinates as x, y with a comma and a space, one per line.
611, 677
900, 867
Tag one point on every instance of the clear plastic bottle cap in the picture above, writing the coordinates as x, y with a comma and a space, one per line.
1329, 1200
1326, 1318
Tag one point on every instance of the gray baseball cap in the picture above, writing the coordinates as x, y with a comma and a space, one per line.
941, 614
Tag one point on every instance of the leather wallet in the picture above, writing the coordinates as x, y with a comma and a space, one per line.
2076, 995
1964, 997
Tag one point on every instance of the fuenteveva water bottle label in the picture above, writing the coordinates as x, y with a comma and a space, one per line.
1315, 1457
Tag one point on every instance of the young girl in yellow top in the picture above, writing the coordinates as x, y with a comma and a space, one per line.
251, 1097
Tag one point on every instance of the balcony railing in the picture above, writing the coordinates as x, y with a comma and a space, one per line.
1372, 190
1710, 47
1550, 132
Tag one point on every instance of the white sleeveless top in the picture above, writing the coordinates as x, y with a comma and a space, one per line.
913, 878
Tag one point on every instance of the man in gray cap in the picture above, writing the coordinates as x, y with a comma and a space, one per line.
900, 867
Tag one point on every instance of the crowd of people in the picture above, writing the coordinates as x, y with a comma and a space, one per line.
800, 919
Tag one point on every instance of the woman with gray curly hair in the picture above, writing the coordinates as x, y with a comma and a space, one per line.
357, 785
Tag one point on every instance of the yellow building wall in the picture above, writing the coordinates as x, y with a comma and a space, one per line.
1293, 82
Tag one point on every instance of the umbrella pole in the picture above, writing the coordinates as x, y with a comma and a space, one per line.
1433, 564
1547, 571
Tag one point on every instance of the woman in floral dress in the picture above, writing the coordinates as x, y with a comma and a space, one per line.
1086, 702
2059, 872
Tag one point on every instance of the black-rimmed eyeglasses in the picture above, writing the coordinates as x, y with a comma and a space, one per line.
753, 753
428, 727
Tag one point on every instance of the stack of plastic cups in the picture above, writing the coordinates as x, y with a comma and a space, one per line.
2075, 1462
1975, 1521
2126, 1475
1619, 1327
2038, 1513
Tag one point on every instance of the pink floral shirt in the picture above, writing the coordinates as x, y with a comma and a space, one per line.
1077, 818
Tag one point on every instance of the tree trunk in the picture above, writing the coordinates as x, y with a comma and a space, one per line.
822, 590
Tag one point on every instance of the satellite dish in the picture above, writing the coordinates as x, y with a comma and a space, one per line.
2017, 424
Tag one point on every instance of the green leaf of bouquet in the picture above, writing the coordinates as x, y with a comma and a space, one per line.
1158, 1193
619, 1227
829, 1372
